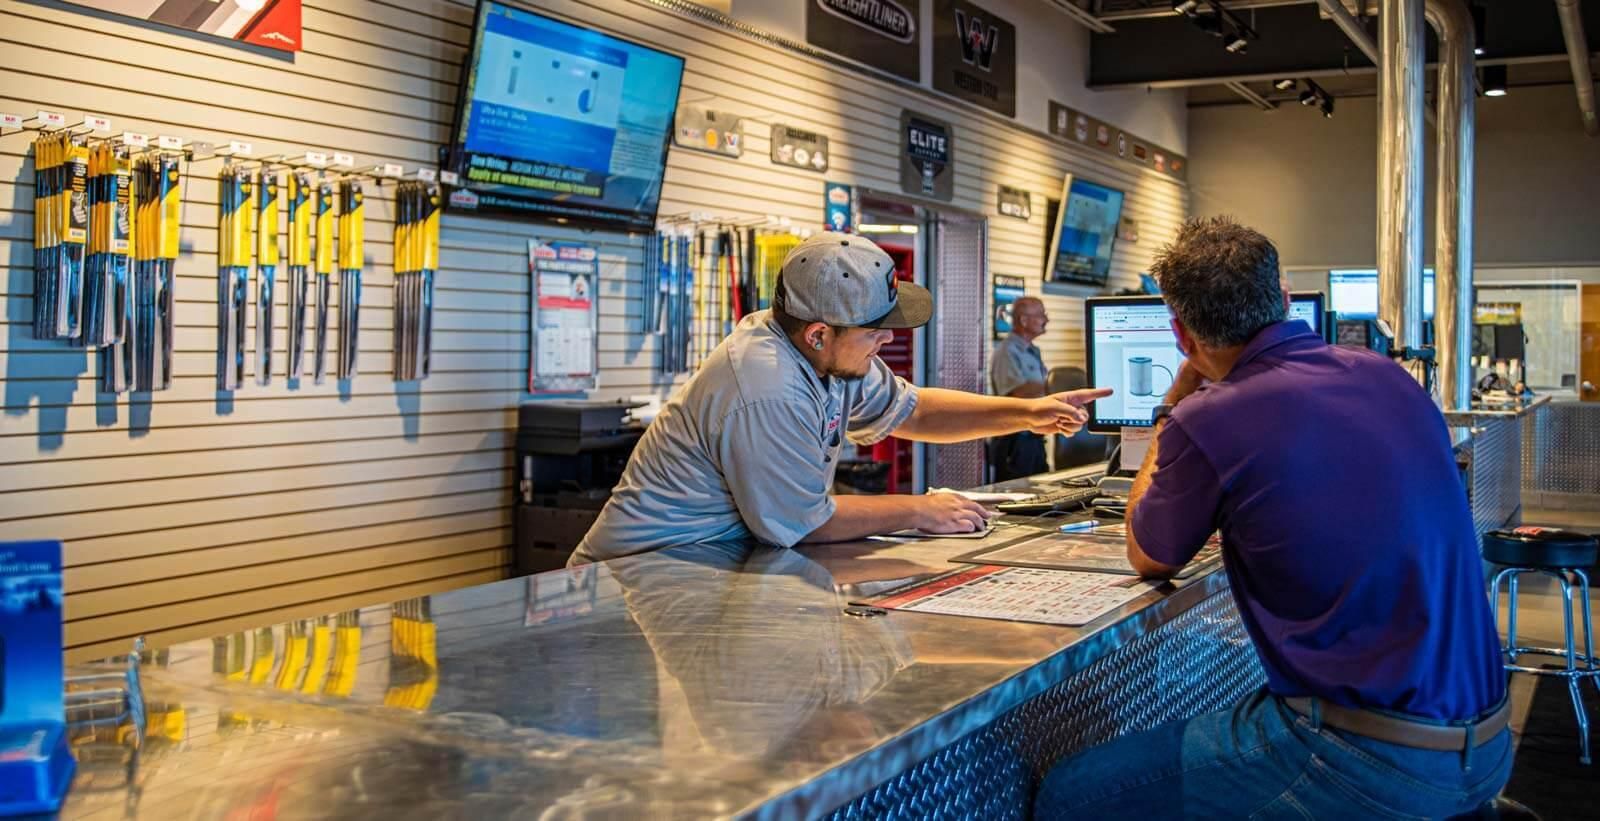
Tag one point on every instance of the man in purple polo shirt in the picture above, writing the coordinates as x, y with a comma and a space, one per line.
1351, 554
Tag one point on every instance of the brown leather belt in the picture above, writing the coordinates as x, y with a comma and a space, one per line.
1405, 732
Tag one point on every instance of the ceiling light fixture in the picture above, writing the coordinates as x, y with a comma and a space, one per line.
1495, 81
1480, 28
1286, 84
1184, 6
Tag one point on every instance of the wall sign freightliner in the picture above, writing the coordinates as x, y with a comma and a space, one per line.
1077, 127
878, 33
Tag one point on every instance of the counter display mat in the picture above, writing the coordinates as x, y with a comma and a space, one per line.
1060, 597
1096, 552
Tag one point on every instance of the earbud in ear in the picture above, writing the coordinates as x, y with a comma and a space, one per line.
816, 346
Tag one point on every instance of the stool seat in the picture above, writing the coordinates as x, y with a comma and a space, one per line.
1540, 547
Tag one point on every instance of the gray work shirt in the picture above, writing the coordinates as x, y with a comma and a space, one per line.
747, 448
1015, 362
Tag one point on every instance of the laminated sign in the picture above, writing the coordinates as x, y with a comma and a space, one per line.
927, 157
883, 34
268, 23
975, 55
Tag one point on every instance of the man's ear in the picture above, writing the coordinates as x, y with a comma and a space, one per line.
1185, 341
815, 335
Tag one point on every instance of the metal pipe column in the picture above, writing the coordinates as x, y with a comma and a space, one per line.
1454, 187
1578, 55
1400, 105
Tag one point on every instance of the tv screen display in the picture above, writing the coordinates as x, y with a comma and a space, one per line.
558, 122
1354, 294
1085, 232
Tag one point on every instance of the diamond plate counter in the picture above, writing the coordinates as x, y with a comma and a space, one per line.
703, 681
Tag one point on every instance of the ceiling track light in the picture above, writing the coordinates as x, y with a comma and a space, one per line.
1220, 23
1480, 27
1184, 6
1237, 45
1286, 84
1495, 81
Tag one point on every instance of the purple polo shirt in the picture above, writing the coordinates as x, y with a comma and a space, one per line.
1345, 528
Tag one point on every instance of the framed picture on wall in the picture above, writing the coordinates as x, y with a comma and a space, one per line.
1007, 290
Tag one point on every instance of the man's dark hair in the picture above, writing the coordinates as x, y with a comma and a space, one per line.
1221, 280
791, 326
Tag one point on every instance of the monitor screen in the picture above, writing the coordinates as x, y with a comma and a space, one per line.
558, 122
1306, 306
1085, 233
1131, 349
1354, 294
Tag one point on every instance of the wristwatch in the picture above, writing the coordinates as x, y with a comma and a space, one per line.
1159, 413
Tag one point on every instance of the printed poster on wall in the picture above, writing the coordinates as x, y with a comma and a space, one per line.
1007, 290
927, 156
975, 55
884, 34
562, 347
270, 23
838, 204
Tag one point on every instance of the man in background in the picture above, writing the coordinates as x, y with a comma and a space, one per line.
1017, 370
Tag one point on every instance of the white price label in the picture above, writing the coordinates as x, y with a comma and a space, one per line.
344, 160
449, 178
134, 140
10, 120
392, 170
240, 149
427, 174
51, 119
317, 159
99, 125
169, 143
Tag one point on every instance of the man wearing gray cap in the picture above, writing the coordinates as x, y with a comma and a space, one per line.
748, 447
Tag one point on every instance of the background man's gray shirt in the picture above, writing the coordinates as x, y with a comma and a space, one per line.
1015, 362
747, 448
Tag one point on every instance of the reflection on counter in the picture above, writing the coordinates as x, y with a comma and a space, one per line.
691, 682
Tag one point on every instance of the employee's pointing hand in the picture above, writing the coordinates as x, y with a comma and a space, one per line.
950, 513
1063, 412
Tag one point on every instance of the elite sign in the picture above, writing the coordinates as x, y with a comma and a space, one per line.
927, 156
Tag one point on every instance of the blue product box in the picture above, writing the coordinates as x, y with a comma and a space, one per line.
36, 765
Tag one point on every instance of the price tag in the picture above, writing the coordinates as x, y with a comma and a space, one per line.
449, 178
427, 174
344, 160
317, 159
240, 149
133, 140
169, 143
392, 170
51, 119
10, 120
99, 125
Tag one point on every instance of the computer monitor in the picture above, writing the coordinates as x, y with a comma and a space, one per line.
1353, 294
1307, 306
1132, 350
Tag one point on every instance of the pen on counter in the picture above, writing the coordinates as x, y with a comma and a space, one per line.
1079, 527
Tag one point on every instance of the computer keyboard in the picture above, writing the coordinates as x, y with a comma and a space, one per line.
1067, 498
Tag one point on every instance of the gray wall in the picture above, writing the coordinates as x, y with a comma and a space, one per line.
1310, 183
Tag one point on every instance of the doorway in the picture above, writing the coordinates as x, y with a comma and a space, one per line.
944, 250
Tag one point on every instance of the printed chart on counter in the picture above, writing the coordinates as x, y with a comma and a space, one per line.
1019, 594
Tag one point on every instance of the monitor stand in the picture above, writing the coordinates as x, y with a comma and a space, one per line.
1130, 457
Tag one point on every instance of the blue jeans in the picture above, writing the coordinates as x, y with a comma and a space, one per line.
1261, 760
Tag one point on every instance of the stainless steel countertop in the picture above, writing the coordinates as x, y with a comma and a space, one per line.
702, 681
1499, 410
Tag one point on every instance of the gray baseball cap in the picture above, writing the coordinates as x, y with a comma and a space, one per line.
848, 281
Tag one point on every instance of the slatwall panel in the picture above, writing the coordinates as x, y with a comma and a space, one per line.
187, 515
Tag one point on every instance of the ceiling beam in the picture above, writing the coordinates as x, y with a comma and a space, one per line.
1255, 99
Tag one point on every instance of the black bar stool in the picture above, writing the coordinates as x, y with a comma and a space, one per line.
1561, 555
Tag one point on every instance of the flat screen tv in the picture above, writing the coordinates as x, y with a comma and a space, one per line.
561, 123
1084, 233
